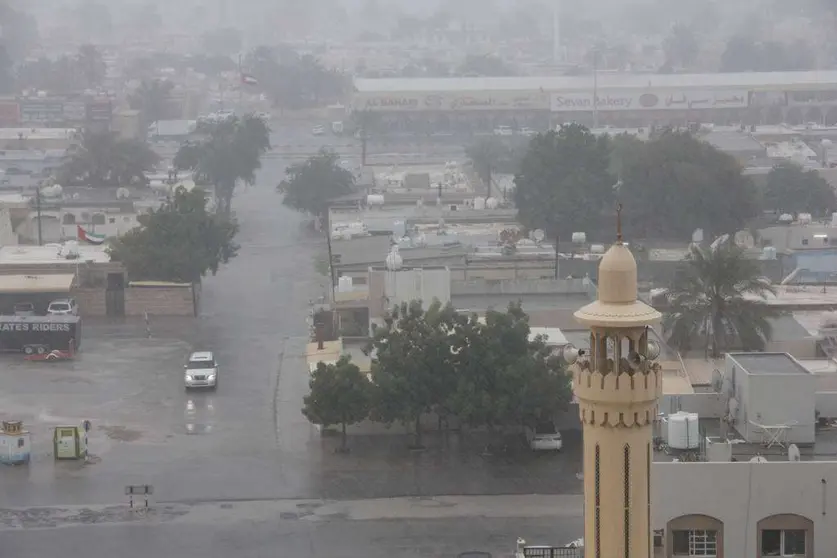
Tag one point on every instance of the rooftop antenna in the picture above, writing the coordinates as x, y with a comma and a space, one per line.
619, 223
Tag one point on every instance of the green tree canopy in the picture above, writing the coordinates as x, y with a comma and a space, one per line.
311, 184
230, 151
492, 154
412, 366
745, 54
678, 183
340, 394
180, 241
102, 159
150, 99
91, 65
717, 300
564, 181
791, 189
502, 378
486, 65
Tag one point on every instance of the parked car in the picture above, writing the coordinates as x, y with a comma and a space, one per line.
528, 132
201, 370
503, 131
63, 307
544, 437
24, 309
318, 130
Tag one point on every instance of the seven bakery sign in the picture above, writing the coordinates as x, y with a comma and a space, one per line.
648, 100
464, 102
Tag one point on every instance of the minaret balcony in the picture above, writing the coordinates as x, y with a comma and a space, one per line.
620, 389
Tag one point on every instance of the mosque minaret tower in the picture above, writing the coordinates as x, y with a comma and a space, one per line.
617, 384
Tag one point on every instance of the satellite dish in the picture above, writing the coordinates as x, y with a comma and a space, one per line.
758, 459
538, 235
653, 351
569, 353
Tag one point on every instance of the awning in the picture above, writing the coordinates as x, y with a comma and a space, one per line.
13, 284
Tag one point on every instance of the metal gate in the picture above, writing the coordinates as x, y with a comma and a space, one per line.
552, 552
115, 295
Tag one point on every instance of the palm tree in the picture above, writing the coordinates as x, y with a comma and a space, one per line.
485, 155
719, 297
231, 151
150, 99
102, 159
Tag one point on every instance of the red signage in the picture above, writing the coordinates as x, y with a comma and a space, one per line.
9, 114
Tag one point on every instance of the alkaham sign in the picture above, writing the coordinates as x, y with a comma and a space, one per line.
34, 326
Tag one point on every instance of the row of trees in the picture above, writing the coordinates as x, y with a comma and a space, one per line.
485, 372
566, 180
84, 70
294, 80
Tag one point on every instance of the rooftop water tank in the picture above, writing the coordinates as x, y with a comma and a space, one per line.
683, 431
597, 248
579, 237
375, 199
804, 218
492, 203
479, 203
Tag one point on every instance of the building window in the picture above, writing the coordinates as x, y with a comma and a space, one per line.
805, 242
111, 220
695, 543
98, 219
783, 542
69, 219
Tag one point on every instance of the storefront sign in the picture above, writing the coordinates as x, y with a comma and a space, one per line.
99, 111
25, 326
627, 100
468, 101
9, 114
41, 112
75, 111
809, 98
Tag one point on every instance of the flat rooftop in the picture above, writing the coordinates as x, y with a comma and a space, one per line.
769, 363
38, 133
51, 254
825, 80
16, 284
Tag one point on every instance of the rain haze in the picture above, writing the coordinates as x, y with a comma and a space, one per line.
377, 278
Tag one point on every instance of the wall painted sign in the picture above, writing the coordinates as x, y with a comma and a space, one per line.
465, 101
627, 100
9, 114
41, 112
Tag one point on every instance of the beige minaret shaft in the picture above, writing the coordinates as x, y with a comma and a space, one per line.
617, 386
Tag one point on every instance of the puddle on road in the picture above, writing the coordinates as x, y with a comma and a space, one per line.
121, 433
198, 415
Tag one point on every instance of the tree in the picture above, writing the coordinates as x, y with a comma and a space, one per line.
91, 65
502, 377
180, 241
412, 367
745, 54
564, 183
230, 151
681, 46
678, 183
486, 65
340, 394
310, 185
150, 99
791, 189
718, 298
103, 159
486, 154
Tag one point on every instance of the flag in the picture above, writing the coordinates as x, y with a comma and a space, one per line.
247, 79
92, 238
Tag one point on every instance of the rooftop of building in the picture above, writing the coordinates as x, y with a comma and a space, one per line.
373, 250
51, 254
820, 80
38, 133
769, 363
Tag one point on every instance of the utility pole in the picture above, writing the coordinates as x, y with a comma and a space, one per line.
595, 89
38, 210
330, 257
556, 256
240, 82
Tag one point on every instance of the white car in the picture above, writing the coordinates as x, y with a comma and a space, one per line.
63, 307
503, 131
318, 130
528, 132
201, 370
544, 437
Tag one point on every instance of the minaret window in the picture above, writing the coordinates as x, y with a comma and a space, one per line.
598, 504
627, 457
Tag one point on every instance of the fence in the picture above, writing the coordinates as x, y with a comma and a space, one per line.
552, 552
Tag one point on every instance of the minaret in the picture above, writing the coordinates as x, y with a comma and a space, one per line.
617, 386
